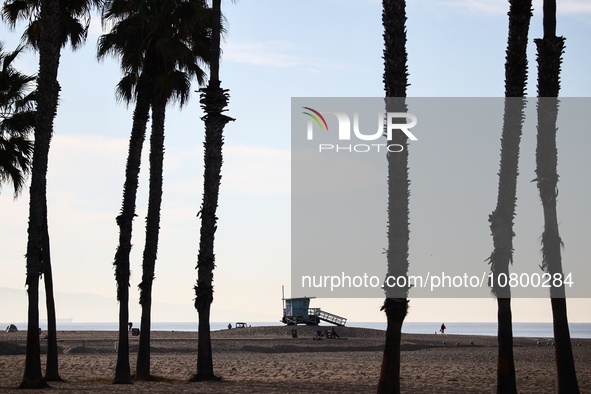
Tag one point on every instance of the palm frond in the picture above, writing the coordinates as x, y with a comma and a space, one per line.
17, 119
177, 33
74, 17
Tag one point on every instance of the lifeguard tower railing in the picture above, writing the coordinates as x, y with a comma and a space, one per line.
327, 317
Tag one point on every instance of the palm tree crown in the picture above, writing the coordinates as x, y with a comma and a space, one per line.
74, 19
170, 39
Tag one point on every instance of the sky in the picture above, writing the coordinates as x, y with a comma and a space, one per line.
273, 51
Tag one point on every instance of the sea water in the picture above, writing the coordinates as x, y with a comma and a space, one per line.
535, 330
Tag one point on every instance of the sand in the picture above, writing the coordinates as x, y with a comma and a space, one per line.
269, 360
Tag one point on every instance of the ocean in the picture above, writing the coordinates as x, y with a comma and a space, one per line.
536, 330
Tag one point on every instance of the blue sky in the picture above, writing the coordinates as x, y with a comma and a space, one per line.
273, 51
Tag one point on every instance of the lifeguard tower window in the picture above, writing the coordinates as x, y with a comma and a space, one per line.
297, 311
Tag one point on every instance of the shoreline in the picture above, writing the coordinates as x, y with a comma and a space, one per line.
520, 329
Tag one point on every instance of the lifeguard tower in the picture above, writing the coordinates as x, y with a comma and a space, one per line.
297, 311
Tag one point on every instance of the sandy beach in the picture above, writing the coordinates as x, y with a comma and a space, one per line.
270, 360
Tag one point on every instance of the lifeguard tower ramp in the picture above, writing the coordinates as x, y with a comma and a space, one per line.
297, 311
328, 317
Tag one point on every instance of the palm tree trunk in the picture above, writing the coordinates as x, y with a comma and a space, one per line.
547, 179
204, 351
565, 364
152, 232
52, 366
216, 27
505, 361
396, 310
502, 217
214, 100
550, 50
125, 220
501, 225
395, 83
47, 94
33, 378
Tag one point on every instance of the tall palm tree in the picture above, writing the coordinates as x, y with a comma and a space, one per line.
170, 83
146, 35
395, 83
68, 22
550, 49
501, 220
214, 100
142, 96
47, 94
17, 121
137, 62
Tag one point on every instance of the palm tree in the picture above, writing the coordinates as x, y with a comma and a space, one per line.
47, 94
17, 121
137, 62
502, 217
395, 81
550, 49
66, 21
214, 100
124, 220
173, 84
146, 35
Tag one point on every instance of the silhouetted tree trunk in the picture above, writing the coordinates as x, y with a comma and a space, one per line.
125, 220
33, 377
52, 365
152, 232
550, 49
395, 83
47, 94
214, 100
501, 220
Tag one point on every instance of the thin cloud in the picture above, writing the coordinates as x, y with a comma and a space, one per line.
82, 163
256, 171
86, 158
501, 7
576, 7
246, 170
269, 53
283, 54
494, 7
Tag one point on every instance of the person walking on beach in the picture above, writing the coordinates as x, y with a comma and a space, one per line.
334, 333
442, 328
